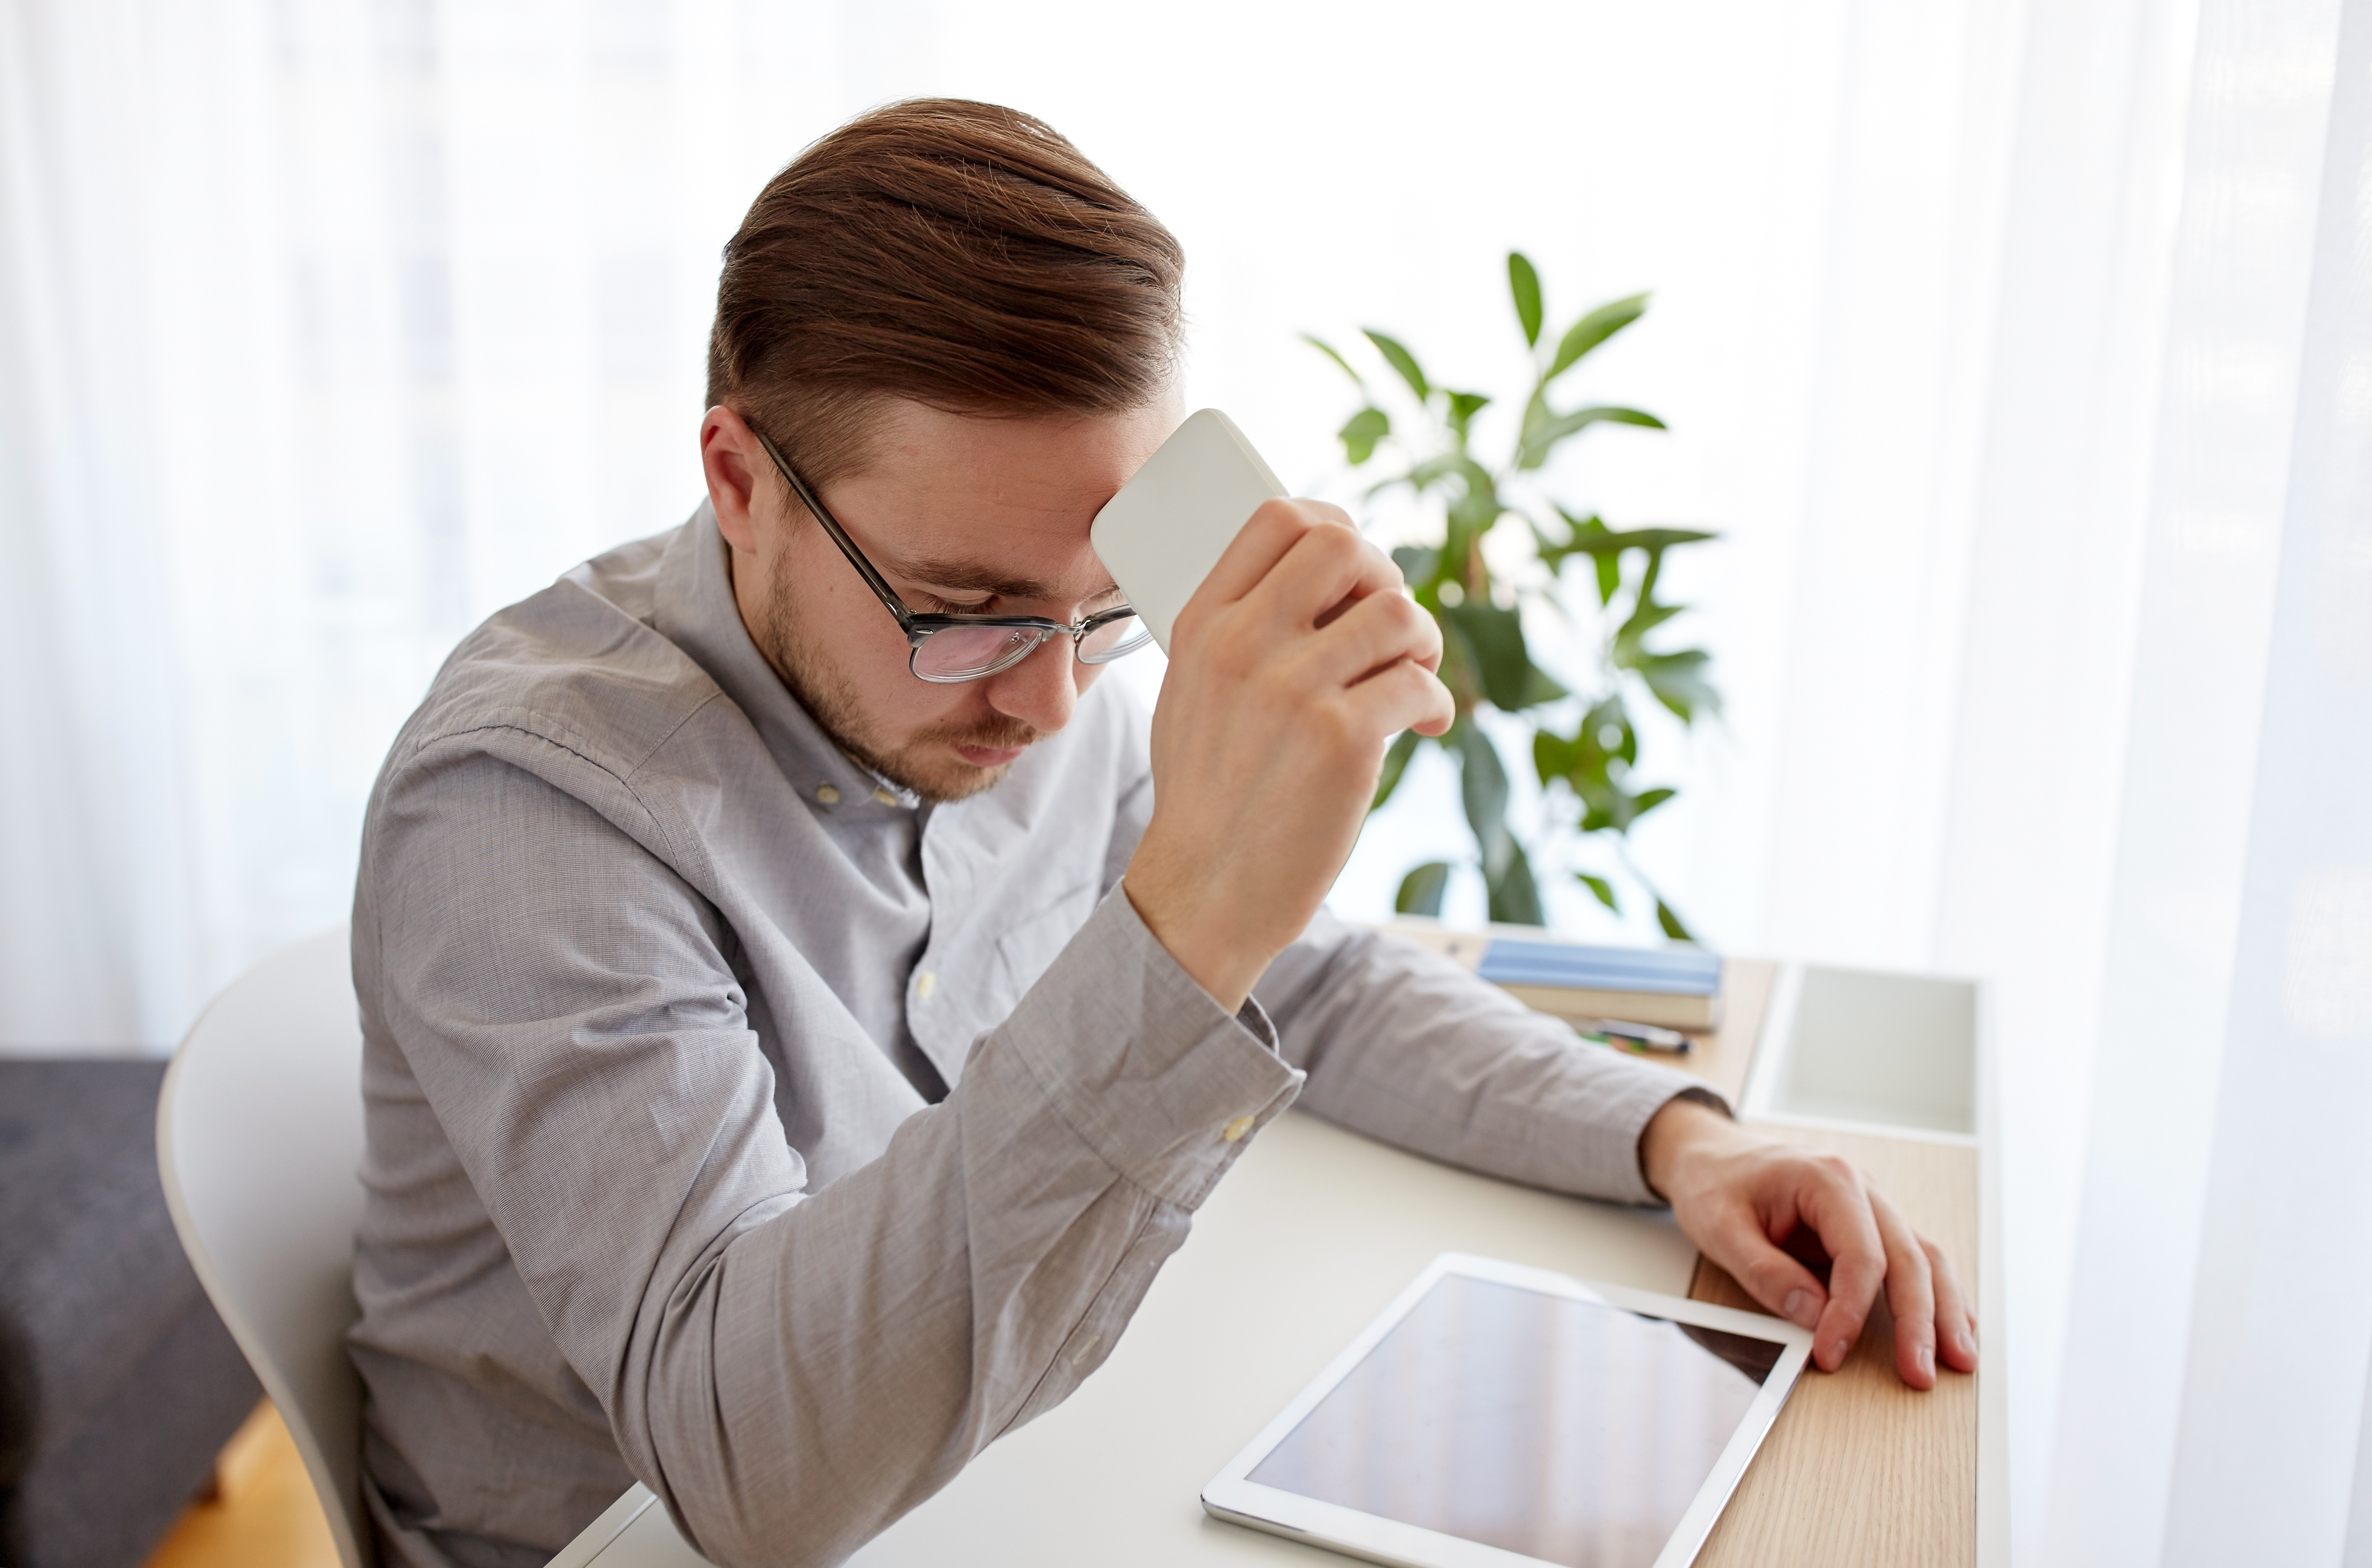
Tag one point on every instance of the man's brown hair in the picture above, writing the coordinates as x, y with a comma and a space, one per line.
958, 253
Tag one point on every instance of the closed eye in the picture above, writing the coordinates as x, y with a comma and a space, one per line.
931, 604
924, 603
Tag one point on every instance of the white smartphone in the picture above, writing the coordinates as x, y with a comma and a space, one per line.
1170, 523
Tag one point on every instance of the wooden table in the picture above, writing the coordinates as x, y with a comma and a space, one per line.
1858, 1468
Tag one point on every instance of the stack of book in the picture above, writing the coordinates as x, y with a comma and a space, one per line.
1677, 988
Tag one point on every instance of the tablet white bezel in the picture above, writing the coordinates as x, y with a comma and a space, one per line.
1232, 1496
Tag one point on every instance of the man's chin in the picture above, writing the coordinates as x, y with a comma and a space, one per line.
945, 773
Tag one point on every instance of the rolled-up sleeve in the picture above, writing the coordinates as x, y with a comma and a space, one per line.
1405, 1046
789, 1372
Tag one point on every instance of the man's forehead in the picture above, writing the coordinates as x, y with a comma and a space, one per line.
999, 504
1021, 552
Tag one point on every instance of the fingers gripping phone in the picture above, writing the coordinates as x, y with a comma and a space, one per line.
1162, 533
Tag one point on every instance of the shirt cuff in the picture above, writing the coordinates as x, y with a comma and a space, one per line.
1631, 1101
1164, 1084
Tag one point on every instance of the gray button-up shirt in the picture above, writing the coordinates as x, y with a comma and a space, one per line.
740, 1124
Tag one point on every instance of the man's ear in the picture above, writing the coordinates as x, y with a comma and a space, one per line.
731, 460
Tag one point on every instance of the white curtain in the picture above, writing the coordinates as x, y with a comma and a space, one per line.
2021, 351
2212, 1389
330, 328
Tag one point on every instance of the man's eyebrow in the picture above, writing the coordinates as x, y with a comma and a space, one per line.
973, 576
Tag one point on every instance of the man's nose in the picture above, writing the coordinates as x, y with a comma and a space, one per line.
1042, 690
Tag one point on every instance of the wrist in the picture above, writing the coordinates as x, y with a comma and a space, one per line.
1682, 1127
1212, 951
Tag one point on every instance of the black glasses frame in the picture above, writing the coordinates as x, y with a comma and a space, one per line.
921, 628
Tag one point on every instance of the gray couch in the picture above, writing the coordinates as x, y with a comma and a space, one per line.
118, 1384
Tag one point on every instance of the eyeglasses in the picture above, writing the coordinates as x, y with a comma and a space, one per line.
950, 649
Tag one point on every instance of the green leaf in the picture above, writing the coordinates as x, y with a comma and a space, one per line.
1583, 760
1591, 536
1679, 682
1484, 784
1553, 756
1538, 689
1417, 563
1473, 512
1514, 899
1396, 762
1541, 436
1401, 360
1594, 762
1670, 921
1537, 417
1609, 716
1594, 328
1361, 431
1463, 407
1475, 507
1584, 536
1601, 886
1496, 638
1580, 535
1646, 618
1659, 540
1478, 506
1441, 466
1524, 285
1322, 346
1422, 888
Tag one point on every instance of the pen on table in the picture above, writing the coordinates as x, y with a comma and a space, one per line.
1632, 1037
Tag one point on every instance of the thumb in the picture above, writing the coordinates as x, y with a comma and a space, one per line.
1782, 1284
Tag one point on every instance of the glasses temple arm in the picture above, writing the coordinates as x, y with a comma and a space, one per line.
816, 508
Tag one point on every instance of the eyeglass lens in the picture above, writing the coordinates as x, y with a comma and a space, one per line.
964, 653
967, 653
1112, 639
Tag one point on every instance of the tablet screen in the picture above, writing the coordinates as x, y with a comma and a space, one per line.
1566, 1430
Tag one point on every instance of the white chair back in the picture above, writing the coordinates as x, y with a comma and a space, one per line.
259, 1132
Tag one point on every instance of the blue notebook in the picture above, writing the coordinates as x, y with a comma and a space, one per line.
1665, 971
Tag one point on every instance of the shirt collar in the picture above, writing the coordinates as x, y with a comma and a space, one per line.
695, 610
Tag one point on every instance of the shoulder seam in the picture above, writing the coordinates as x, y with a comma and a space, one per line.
627, 780
560, 736
547, 726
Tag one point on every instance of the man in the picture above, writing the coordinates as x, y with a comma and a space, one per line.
798, 1025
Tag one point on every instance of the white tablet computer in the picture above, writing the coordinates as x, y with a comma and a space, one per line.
1503, 1417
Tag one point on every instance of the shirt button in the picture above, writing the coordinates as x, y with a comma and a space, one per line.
925, 983
828, 794
1234, 1131
885, 797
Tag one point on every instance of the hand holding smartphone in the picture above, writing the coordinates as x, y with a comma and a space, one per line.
1295, 659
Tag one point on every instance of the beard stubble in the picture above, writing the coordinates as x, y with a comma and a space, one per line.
922, 763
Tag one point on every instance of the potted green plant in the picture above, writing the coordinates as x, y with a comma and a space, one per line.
1585, 747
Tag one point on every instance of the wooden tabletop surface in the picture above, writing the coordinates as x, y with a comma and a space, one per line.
1858, 1470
